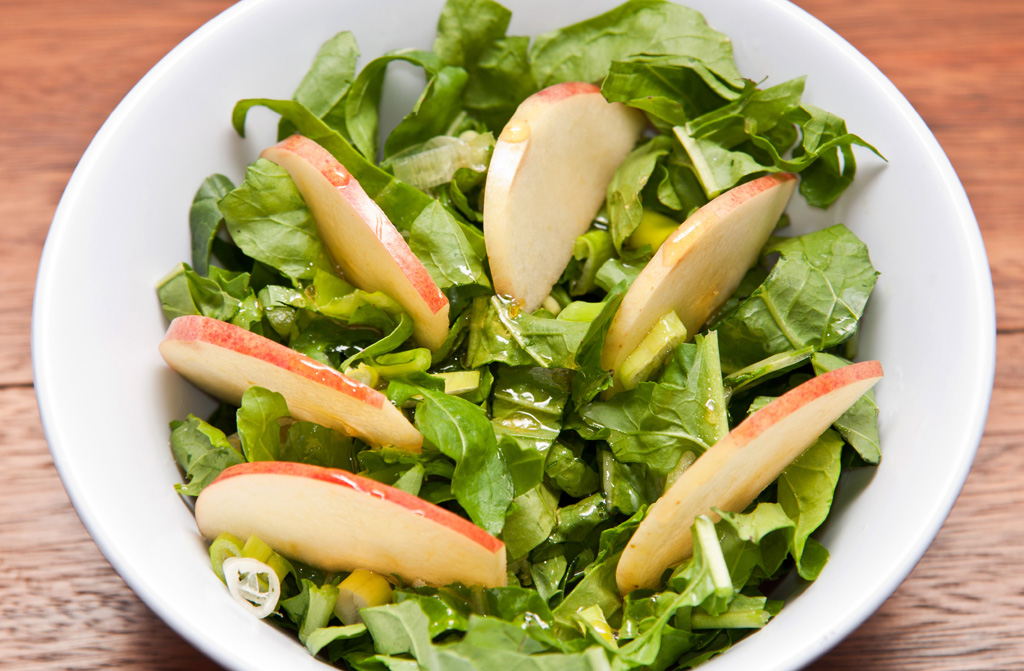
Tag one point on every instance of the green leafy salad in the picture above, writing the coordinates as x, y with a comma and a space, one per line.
525, 433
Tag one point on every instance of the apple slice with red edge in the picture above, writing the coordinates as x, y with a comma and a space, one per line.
700, 265
548, 177
225, 360
360, 238
337, 521
731, 474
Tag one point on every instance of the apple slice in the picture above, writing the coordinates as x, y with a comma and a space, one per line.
700, 265
547, 179
337, 521
225, 360
360, 238
731, 474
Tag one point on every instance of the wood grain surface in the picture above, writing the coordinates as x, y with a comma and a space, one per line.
65, 64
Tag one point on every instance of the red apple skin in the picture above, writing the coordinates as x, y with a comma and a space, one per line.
225, 360
647, 300
562, 91
815, 388
338, 521
731, 474
402, 276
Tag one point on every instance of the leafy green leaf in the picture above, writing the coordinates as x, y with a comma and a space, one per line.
452, 252
318, 639
591, 378
751, 134
624, 205
576, 521
310, 443
508, 335
525, 462
615, 271
280, 307
693, 584
204, 218
806, 489
814, 296
445, 611
270, 222
567, 469
466, 28
530, 522
401, 202
461, 431
400, 628
767, 369
259, 425
672, 89
471, 35
717, 167
655, 424
220, 296
402, 332
598, 586
627, 487
756, 541
436, 112
323, 88
327, 341
330, 75
584, 51
500, 81
432, 114
528, 405
859, 425
202, 451
827, 154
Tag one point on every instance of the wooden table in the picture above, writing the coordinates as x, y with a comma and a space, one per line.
64, 65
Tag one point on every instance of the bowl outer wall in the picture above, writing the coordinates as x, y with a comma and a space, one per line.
121, 225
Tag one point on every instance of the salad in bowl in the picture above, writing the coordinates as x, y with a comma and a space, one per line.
539, 376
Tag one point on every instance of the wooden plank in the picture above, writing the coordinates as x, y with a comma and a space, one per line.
64, 66
61, 605
959, 63
963, 605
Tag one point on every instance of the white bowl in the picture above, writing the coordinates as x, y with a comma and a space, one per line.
105, 395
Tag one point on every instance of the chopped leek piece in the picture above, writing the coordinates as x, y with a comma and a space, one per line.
684, 462
593, 248
650, 354
592, 618
255, 548
704, 529
766, 369
243, 577
551, 305
222, 548
363, 373
319, 607
361, 589
398, 364
435, 161
745, 612
319, 638
580, 311
460, 381
654, 229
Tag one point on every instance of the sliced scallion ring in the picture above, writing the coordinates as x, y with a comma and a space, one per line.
253, 584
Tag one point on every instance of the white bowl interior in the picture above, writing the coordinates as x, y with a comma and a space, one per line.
106, 397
